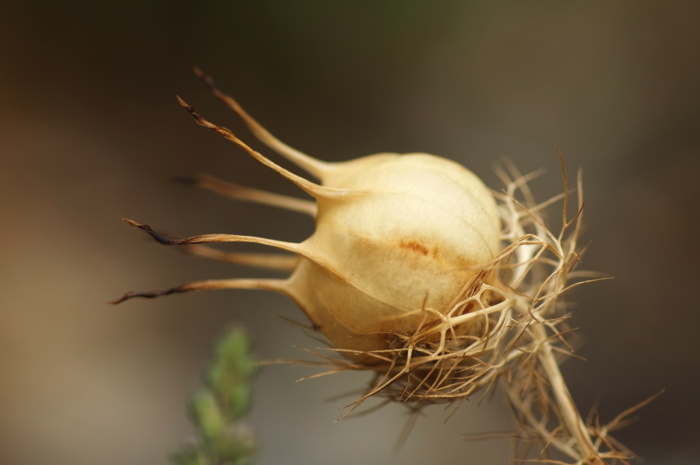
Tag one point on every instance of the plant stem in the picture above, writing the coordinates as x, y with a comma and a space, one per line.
567, 409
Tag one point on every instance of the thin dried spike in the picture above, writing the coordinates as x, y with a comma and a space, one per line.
568, 352
619, 418
592, 418
551, 439
330, 363
579, 220
543, 205
618, 452
565, 210
587, 281
335, 371
210, 238
300, 249
494, 435
524, 413
538, 221
520, 181
613, 452
376, 356
548, 461
250, 194
341, 396
313, 189
308, 163
306, 326
381, 385
264, 284
269, 261
575, 219
366, 411
321, 353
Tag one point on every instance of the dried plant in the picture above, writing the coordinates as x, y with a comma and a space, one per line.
504, 325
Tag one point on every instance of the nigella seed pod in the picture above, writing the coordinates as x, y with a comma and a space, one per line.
399, 241
406, 276
394, 250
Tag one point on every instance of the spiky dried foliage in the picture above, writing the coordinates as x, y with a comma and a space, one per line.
507, 328
521, 340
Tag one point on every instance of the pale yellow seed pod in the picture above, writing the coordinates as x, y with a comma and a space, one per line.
405, 275
396, 250
399, 241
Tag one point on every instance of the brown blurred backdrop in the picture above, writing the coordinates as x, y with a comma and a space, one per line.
90, 132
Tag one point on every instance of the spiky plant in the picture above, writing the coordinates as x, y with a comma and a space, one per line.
421, 275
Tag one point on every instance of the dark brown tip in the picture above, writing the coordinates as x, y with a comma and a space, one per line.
205, 78
150, 294
158, 237
197, 117
184, 104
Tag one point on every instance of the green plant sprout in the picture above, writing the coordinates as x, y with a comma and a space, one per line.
219, 409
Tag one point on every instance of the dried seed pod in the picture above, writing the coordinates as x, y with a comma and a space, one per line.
394, 249
399, 239
405, 275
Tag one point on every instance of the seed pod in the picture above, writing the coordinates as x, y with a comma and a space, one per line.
399, 240
395, 249
405, 275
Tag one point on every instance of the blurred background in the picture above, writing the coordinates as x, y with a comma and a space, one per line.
90, 132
